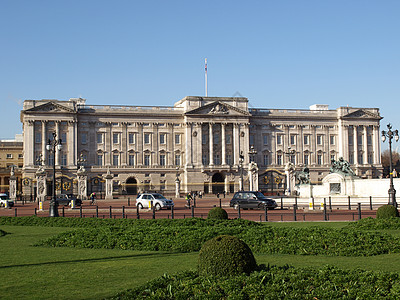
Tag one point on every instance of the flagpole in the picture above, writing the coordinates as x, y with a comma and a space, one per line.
206, 78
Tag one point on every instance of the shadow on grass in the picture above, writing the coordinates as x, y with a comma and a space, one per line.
94, 259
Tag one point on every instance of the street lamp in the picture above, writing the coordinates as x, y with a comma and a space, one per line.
290, 153
52, 146
252, 153
390, 134
241, 160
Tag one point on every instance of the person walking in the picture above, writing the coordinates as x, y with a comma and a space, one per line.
92, 198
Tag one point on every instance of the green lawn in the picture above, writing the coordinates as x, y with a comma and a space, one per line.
29, 272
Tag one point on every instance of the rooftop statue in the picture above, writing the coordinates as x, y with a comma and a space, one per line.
341, 166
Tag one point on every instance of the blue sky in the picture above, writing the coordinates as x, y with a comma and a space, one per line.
279, 54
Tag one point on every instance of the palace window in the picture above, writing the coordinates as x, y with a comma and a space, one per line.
131, 138
279, 159
131, 159
319, 139
63, 159
147, 138
306, 139
228, 139
177, 159
115, 138
205, 159
162, 159
217, 161
265, 139
162, 138
99, 138
279, 139
319, 159
177, 139
99, 159
147, 160
332, 140
306, 159
83, 138
115, 159
266, 159
292, 139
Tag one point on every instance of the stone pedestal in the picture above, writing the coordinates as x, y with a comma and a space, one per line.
41, 178
109, 185
290, 178
253, 176
177, 187
82, 183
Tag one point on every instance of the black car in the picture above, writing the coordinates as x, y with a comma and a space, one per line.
252, 200
65, 199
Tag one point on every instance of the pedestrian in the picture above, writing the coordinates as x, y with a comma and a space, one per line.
224, 193
188, 199
92, 198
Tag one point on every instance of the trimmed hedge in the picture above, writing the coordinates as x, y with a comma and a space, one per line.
376, 224
387, 211
273, 283
226, 255
217, 213
188, 236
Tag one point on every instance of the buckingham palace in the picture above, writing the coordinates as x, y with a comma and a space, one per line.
203, 144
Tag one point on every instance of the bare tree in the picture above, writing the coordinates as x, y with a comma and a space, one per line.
385, 159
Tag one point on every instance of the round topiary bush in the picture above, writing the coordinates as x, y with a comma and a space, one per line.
387, 211
226, 255
217, 213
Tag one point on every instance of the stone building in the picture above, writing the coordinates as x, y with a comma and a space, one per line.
11, 157
201, 143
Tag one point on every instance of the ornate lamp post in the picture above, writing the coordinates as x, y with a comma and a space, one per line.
390, 135
252, 153
52, 146
241, 160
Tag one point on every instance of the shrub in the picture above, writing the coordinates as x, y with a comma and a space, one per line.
226, 255
217, 213
386, 212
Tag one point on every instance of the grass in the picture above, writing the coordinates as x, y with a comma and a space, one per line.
69, 273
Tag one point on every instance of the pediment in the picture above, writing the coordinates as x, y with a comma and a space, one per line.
361, 114
218, 108
51, 107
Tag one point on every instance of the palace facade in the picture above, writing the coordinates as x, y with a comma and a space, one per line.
201, 143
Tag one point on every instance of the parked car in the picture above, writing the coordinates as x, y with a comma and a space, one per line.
65, 199
252, 200
159, 201
4, 198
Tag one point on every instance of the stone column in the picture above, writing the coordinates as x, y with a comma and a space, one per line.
236, 148
223, 143
355, 142
44, 142
246, 143
188, 144
124, 144
108, 145
109, 185
29, 143
57, 154
376, 144
211, 144
170, 145
140, 145
365, 145
71, 144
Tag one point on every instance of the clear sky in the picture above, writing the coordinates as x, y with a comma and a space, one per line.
279, 54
